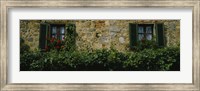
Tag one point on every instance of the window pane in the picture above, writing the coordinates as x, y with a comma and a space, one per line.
54, 36
62, 30
149, 36
140, 36
140, 30
62, 37
148, 29
53, 30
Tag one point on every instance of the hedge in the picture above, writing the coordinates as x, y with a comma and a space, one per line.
162, 59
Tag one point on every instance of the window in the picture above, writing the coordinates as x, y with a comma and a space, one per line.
49, 31
58, 31
146, 31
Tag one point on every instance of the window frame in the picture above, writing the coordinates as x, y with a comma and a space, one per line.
144, 31
46, 34
57, 25
157, 28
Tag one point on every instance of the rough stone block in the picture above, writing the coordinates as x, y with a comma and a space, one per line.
121, 39
30, 39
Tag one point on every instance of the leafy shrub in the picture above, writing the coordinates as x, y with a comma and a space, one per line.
146, 44
153, 60
161, 59
27, 58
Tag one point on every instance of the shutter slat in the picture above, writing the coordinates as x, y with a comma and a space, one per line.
43, 34
160, 34
133, 35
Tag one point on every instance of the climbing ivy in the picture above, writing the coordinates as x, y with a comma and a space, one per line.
70, 37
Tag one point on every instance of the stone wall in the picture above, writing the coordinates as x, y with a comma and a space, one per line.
29, 31
98, 34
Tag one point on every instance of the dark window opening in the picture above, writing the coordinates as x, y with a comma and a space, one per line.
139, 32
51, 33
145, 31
58, 31
57, 36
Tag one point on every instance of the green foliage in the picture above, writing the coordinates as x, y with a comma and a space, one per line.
167, 58
161, 59
27, 58
54, 44
70, 38
146, 44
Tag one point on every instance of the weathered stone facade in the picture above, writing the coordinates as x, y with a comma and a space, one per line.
97, 34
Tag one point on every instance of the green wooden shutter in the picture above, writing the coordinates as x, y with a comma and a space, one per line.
160, 34
133, 35
44, 28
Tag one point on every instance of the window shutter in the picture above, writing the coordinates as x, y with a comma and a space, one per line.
133, 35
43, 34
160, 34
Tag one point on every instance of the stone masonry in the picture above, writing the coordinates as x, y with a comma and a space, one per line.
98, 34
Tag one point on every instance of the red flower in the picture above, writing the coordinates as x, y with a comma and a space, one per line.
52, 40
58, 42
57, 47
